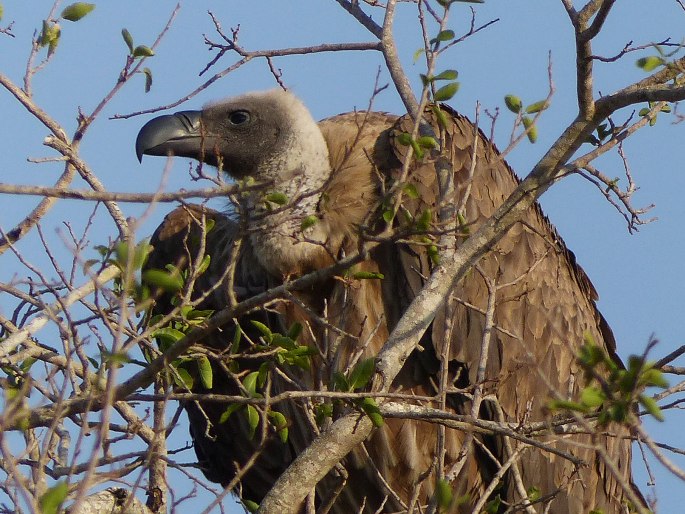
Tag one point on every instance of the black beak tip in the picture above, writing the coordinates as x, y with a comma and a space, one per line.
161, 135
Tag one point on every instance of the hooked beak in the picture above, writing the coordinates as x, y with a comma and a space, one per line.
172, 134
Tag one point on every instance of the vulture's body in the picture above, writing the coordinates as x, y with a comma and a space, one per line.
338, 173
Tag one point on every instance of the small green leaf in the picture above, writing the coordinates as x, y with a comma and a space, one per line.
277, 198
168, 334
447, 75
250, 505
183, 378
537, 107
53, 498
531, 129
2, 11
362, 373
366, 275
294, 331
143, 51
410, 191
280, 423
340, 382
252, 419
492, 507
148, 79
424, 221
446, 92
404, 139
442, 119
650, 63
75, 12
445, 35
652, 407
237, 336
443, 494
370, 408
388, 215
309, 221
427, 142
534, 493
592, 397
653, 377
250, 383
205, 368
170, 282
267, 335
513, 103
230, 410
128, 39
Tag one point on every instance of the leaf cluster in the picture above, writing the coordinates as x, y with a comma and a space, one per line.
614, 392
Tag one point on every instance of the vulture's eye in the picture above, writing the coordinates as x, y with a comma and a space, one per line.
239, 117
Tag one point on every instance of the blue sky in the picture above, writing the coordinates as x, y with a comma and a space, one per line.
639, 277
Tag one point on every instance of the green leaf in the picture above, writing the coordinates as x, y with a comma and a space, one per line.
148, 79
492, 507
442, 119
230, 410
183, 378
252, 419
309, 221
169, 282
365, 275
531, 129
537, 107
370, 408
237, 336
410, 191
75, 12
205, 368
362, 373
404, 139
444, 35
250, 383
294, 331
652, 407
128, 39
443, 494
168, 334
340, 382
653, 377
446, 92
592, 397
143, 51
534, 493
447, 75
53, 498
2, 11
280, 423
513, 103
424, 221
250, 505
277, 198
427, 142
267, 335
650, 63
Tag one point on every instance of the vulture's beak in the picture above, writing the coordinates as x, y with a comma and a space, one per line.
172, 134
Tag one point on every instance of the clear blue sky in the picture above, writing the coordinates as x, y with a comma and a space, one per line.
639, 277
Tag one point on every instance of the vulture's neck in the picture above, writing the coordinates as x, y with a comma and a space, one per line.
299, 169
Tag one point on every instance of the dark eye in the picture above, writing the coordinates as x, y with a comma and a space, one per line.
239, 117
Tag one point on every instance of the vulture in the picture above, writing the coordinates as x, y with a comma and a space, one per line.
312, 194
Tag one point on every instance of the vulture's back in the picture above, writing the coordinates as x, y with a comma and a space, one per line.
541, 302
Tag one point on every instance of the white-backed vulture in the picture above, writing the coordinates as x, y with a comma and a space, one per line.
334, 176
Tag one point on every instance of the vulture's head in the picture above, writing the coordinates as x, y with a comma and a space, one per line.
268, 136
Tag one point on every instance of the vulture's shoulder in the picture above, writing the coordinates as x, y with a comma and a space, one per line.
200, 242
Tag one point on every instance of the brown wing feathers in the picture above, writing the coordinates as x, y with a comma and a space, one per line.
544, 305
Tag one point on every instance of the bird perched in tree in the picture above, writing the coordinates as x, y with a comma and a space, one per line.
506, 339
